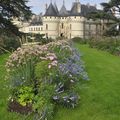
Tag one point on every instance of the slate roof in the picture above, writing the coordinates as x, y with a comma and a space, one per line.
85, 10
63, 11
56, 8
51, 10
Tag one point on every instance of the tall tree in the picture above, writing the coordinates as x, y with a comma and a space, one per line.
12, 9
110, 12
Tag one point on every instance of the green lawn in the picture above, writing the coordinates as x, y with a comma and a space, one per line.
4, 93
100, 97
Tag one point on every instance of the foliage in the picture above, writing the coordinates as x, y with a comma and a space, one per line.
53, 70
23, 95
110, 13
79, 40
9, 9
42, 101
40, 38
73, 66
97, 95
9, 42
39, 71
58, 84
21, 63
108, 44
62, 49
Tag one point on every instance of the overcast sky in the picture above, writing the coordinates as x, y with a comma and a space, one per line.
38, 6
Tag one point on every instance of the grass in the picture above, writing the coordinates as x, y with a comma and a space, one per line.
100, 97
4, 94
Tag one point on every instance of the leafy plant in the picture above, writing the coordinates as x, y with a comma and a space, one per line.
24, 95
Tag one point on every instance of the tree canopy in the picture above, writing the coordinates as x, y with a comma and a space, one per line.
12, 9
111, 11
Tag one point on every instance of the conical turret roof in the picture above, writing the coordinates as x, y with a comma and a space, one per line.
51, 11
56, 8
63, 11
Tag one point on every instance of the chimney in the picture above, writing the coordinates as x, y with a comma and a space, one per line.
78, 7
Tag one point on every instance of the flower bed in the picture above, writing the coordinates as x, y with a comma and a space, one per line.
43, 76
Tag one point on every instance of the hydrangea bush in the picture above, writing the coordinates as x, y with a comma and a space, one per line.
46, 75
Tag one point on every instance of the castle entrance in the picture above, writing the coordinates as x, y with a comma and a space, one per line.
61, 35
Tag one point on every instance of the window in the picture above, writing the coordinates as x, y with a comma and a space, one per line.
62, 25
103, 27
46, 26
70, 35
41, 29
31, 29
70, 26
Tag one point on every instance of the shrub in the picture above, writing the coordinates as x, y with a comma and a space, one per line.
80, 40
23, 95
8, 42
107, 44
53, 70
22, 62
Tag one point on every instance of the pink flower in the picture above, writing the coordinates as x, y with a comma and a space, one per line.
54, 63
49, 66
51, 57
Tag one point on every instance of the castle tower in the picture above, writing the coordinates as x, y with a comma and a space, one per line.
78, 7
63, 13
51, 21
